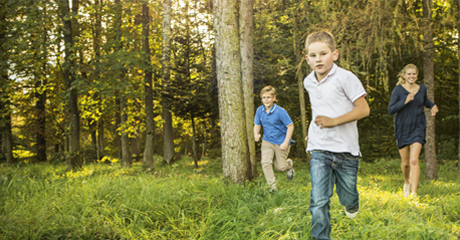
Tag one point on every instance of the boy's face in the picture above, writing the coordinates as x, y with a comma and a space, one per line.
321, 59
268, 99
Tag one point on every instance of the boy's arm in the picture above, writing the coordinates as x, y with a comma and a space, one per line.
361, 110
290, 130
256, 132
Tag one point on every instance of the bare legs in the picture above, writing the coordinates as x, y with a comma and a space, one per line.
409, 164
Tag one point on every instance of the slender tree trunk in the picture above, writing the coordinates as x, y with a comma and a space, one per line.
205, 143
5, 122
168, 134
247, 75
124, 137
299, 75
126, 158
93, 133
235, 150
195, 157
428, 74
74, 160
118, 124
458, 52
100, 138
97, 39
149, 149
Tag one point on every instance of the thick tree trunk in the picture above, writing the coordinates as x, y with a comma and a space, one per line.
149, 149
428, 74
168, 134
231, 105
74, 160
247, 75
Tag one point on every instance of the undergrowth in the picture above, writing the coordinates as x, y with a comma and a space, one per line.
177, 201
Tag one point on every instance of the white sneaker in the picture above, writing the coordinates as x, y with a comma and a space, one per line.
406, 190
352, 212
290, 173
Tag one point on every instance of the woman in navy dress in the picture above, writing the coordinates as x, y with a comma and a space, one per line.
407, 101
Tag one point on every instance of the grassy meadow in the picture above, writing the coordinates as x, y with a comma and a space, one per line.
44, 201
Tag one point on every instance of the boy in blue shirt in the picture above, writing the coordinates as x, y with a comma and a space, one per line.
337, 102
276, 143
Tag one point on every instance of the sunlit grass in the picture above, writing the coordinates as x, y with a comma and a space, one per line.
177, 201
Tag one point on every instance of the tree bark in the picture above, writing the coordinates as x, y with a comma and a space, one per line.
299, 75
247, 75
195, 157
118, 124
73, 156
149, 149
428, 75
168, 134
458, 52
234, 137
124, 137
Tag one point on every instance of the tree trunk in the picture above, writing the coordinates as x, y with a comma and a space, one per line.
234, 137
299, 75
118, 124
97, 39
93, 133
168, 135
428, 74
5, 122
247, 75
100, 138
195, 157
149, 149
124, 136
73, 160
458, 51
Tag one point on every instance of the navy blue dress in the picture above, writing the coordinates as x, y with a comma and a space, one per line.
410, 121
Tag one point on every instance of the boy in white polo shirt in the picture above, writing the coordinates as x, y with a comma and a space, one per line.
276, 143
337, 100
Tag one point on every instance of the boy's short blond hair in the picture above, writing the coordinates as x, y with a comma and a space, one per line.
269, 89
320, 36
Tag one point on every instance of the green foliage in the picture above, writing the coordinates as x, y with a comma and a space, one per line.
177, 201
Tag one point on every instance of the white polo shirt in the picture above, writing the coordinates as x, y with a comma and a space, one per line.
334, 97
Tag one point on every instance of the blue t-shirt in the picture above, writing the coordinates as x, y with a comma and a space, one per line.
274, 122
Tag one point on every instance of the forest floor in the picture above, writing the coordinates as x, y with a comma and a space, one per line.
177, 201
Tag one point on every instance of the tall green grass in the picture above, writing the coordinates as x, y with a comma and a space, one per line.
43, 201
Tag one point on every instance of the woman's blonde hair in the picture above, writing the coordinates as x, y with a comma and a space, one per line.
401, 79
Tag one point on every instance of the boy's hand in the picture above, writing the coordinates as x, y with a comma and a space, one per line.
257, 137
306, 138
323, 122
284, 146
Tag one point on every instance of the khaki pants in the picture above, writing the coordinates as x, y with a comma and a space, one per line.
273, 155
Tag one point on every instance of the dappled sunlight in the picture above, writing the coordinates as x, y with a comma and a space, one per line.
200, 163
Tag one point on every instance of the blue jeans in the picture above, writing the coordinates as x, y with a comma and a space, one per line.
327, 169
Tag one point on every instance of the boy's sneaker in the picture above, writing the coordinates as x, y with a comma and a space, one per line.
273, 189
352, 212
290, 173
